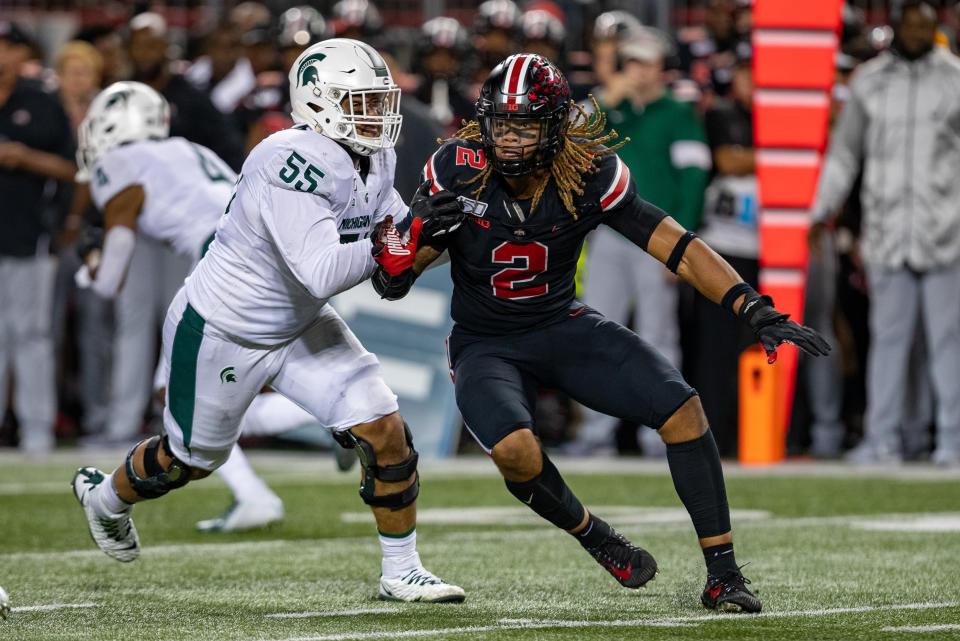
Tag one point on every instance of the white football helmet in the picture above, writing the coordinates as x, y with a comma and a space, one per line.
122, 113
339, 85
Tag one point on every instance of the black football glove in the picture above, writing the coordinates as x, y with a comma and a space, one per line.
773, 329
394, 253
91, 239
392, 287
441, 214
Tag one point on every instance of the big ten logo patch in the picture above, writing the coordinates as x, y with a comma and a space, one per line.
472, 157
472, 207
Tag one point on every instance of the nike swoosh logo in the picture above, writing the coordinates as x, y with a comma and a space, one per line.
715, 591
623, 574
529, 501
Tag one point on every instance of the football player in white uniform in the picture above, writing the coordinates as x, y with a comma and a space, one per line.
170, 191
254, 312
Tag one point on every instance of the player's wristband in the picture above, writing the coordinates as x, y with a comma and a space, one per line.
733, 294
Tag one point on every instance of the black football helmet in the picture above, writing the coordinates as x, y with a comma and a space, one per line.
526, 88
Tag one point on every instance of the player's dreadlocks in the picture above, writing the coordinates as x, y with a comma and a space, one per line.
583, 146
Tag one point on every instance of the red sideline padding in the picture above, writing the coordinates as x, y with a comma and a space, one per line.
783, 238
787, 179
786, 287
790, 14
793, 59
790, 118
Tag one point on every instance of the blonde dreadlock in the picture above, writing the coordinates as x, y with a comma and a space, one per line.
583, 146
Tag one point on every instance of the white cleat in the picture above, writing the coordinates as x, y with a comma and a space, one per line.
116, 537
419, 584
245, 515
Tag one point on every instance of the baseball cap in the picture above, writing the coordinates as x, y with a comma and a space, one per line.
642, 44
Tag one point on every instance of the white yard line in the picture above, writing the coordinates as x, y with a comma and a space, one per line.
331, 613
661, 622
537, 530
53, 606
921, 628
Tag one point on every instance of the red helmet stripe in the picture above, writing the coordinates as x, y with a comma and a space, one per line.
518, 67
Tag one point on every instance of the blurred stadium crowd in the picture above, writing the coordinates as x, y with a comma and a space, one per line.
76, 369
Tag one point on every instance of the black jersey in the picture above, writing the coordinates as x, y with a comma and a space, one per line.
513, 269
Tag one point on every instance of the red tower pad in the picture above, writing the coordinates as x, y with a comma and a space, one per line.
791, 119
783, 238
793, 59
790, 14
786, 287
787, 179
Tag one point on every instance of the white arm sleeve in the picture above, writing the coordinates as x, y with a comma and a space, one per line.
305, 233
118, 247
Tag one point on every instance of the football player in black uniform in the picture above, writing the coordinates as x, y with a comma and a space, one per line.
532, 183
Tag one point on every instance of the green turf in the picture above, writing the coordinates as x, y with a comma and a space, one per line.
523, 581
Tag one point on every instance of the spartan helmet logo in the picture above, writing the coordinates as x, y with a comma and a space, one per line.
307, 73
119, 97
227, 375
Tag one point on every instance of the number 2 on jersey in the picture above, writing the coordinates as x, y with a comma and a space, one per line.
517, 281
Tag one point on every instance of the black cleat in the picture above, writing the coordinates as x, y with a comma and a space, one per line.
729, 593
630, 565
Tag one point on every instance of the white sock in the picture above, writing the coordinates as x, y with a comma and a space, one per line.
241, 479
399, 553
106, 502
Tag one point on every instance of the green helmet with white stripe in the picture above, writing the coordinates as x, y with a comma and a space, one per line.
343, 89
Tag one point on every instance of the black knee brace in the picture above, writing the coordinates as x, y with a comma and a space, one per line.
548, 495
395, 473
159, 480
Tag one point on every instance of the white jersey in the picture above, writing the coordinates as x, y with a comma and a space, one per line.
295, 234
186, 188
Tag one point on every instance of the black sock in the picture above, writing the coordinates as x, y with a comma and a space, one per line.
593, 533
549, 496
698, 479
719, 559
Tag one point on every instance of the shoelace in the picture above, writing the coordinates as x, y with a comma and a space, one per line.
416, 577
615, 550
732, 579
115, 528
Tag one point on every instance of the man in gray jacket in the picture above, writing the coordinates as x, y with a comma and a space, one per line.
903, 123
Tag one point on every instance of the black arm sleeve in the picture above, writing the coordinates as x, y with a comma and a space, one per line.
636, 221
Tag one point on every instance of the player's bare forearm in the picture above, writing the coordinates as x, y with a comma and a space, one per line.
425, 256
700, 266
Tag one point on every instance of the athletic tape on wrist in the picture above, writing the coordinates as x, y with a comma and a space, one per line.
733, 294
